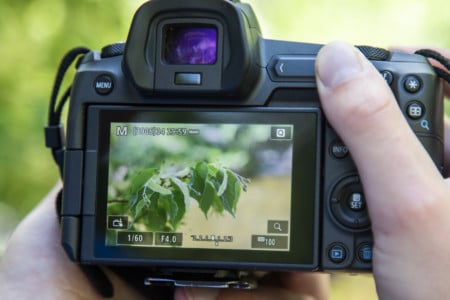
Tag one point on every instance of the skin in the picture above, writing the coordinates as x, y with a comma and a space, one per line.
407, 198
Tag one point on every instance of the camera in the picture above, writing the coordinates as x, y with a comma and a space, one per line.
198, 151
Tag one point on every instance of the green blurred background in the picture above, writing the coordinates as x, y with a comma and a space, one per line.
34, 35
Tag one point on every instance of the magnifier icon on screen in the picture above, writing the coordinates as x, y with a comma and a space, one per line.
277, 226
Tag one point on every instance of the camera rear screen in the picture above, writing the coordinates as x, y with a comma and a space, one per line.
206, 186
213, 186
190, 45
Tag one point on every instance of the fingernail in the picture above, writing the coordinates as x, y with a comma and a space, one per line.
336, 63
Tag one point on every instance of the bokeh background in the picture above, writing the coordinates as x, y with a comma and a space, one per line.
34, 35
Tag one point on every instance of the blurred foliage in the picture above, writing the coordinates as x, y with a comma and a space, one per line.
34, 35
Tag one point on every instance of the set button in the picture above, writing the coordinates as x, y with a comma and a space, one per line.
347, 204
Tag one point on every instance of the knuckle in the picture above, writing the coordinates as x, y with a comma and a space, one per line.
425, 207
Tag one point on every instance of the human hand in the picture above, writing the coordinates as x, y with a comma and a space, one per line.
35, 265
283, 286
408, 200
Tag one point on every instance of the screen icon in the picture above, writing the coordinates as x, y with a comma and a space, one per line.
281, 133
277, 226
279, 242
117, 222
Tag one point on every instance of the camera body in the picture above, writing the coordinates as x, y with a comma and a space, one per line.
199, 146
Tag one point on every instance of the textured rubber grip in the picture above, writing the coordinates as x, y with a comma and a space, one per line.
112, 50
374, 53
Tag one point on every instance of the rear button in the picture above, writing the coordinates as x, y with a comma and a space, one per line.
103, 84
412, 84
415, 110
337, 253
365, 253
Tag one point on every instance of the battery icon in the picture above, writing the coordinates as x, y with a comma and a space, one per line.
194, 131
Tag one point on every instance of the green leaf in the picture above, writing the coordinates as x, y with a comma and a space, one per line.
168, 207
183, 187
140, 179
183, 173
199, 175
117, 208
232, 193
139, 209
212, 170
156, 220
156, 187
224, 183
178, 197
207, 197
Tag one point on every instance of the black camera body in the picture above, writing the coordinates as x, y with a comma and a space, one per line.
199, 146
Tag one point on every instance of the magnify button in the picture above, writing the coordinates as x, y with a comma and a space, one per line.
425, 125
277, 226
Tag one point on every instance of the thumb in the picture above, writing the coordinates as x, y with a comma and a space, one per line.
392, 163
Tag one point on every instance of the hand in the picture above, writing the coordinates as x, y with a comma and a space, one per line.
407, 198
408, 202
35, 265
283, 286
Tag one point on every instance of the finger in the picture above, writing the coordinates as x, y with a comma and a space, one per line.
34, 248
447, 147
282, 285
396, 171
263, 293
316, 285
442, 51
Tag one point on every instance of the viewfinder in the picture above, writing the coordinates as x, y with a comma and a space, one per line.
190, 45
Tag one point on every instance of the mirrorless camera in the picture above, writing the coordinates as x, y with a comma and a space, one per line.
198, 149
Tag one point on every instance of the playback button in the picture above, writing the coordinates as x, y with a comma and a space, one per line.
337, 253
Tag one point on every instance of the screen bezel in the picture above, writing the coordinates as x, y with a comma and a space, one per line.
304, 231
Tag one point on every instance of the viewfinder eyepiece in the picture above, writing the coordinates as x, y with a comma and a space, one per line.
190, 44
